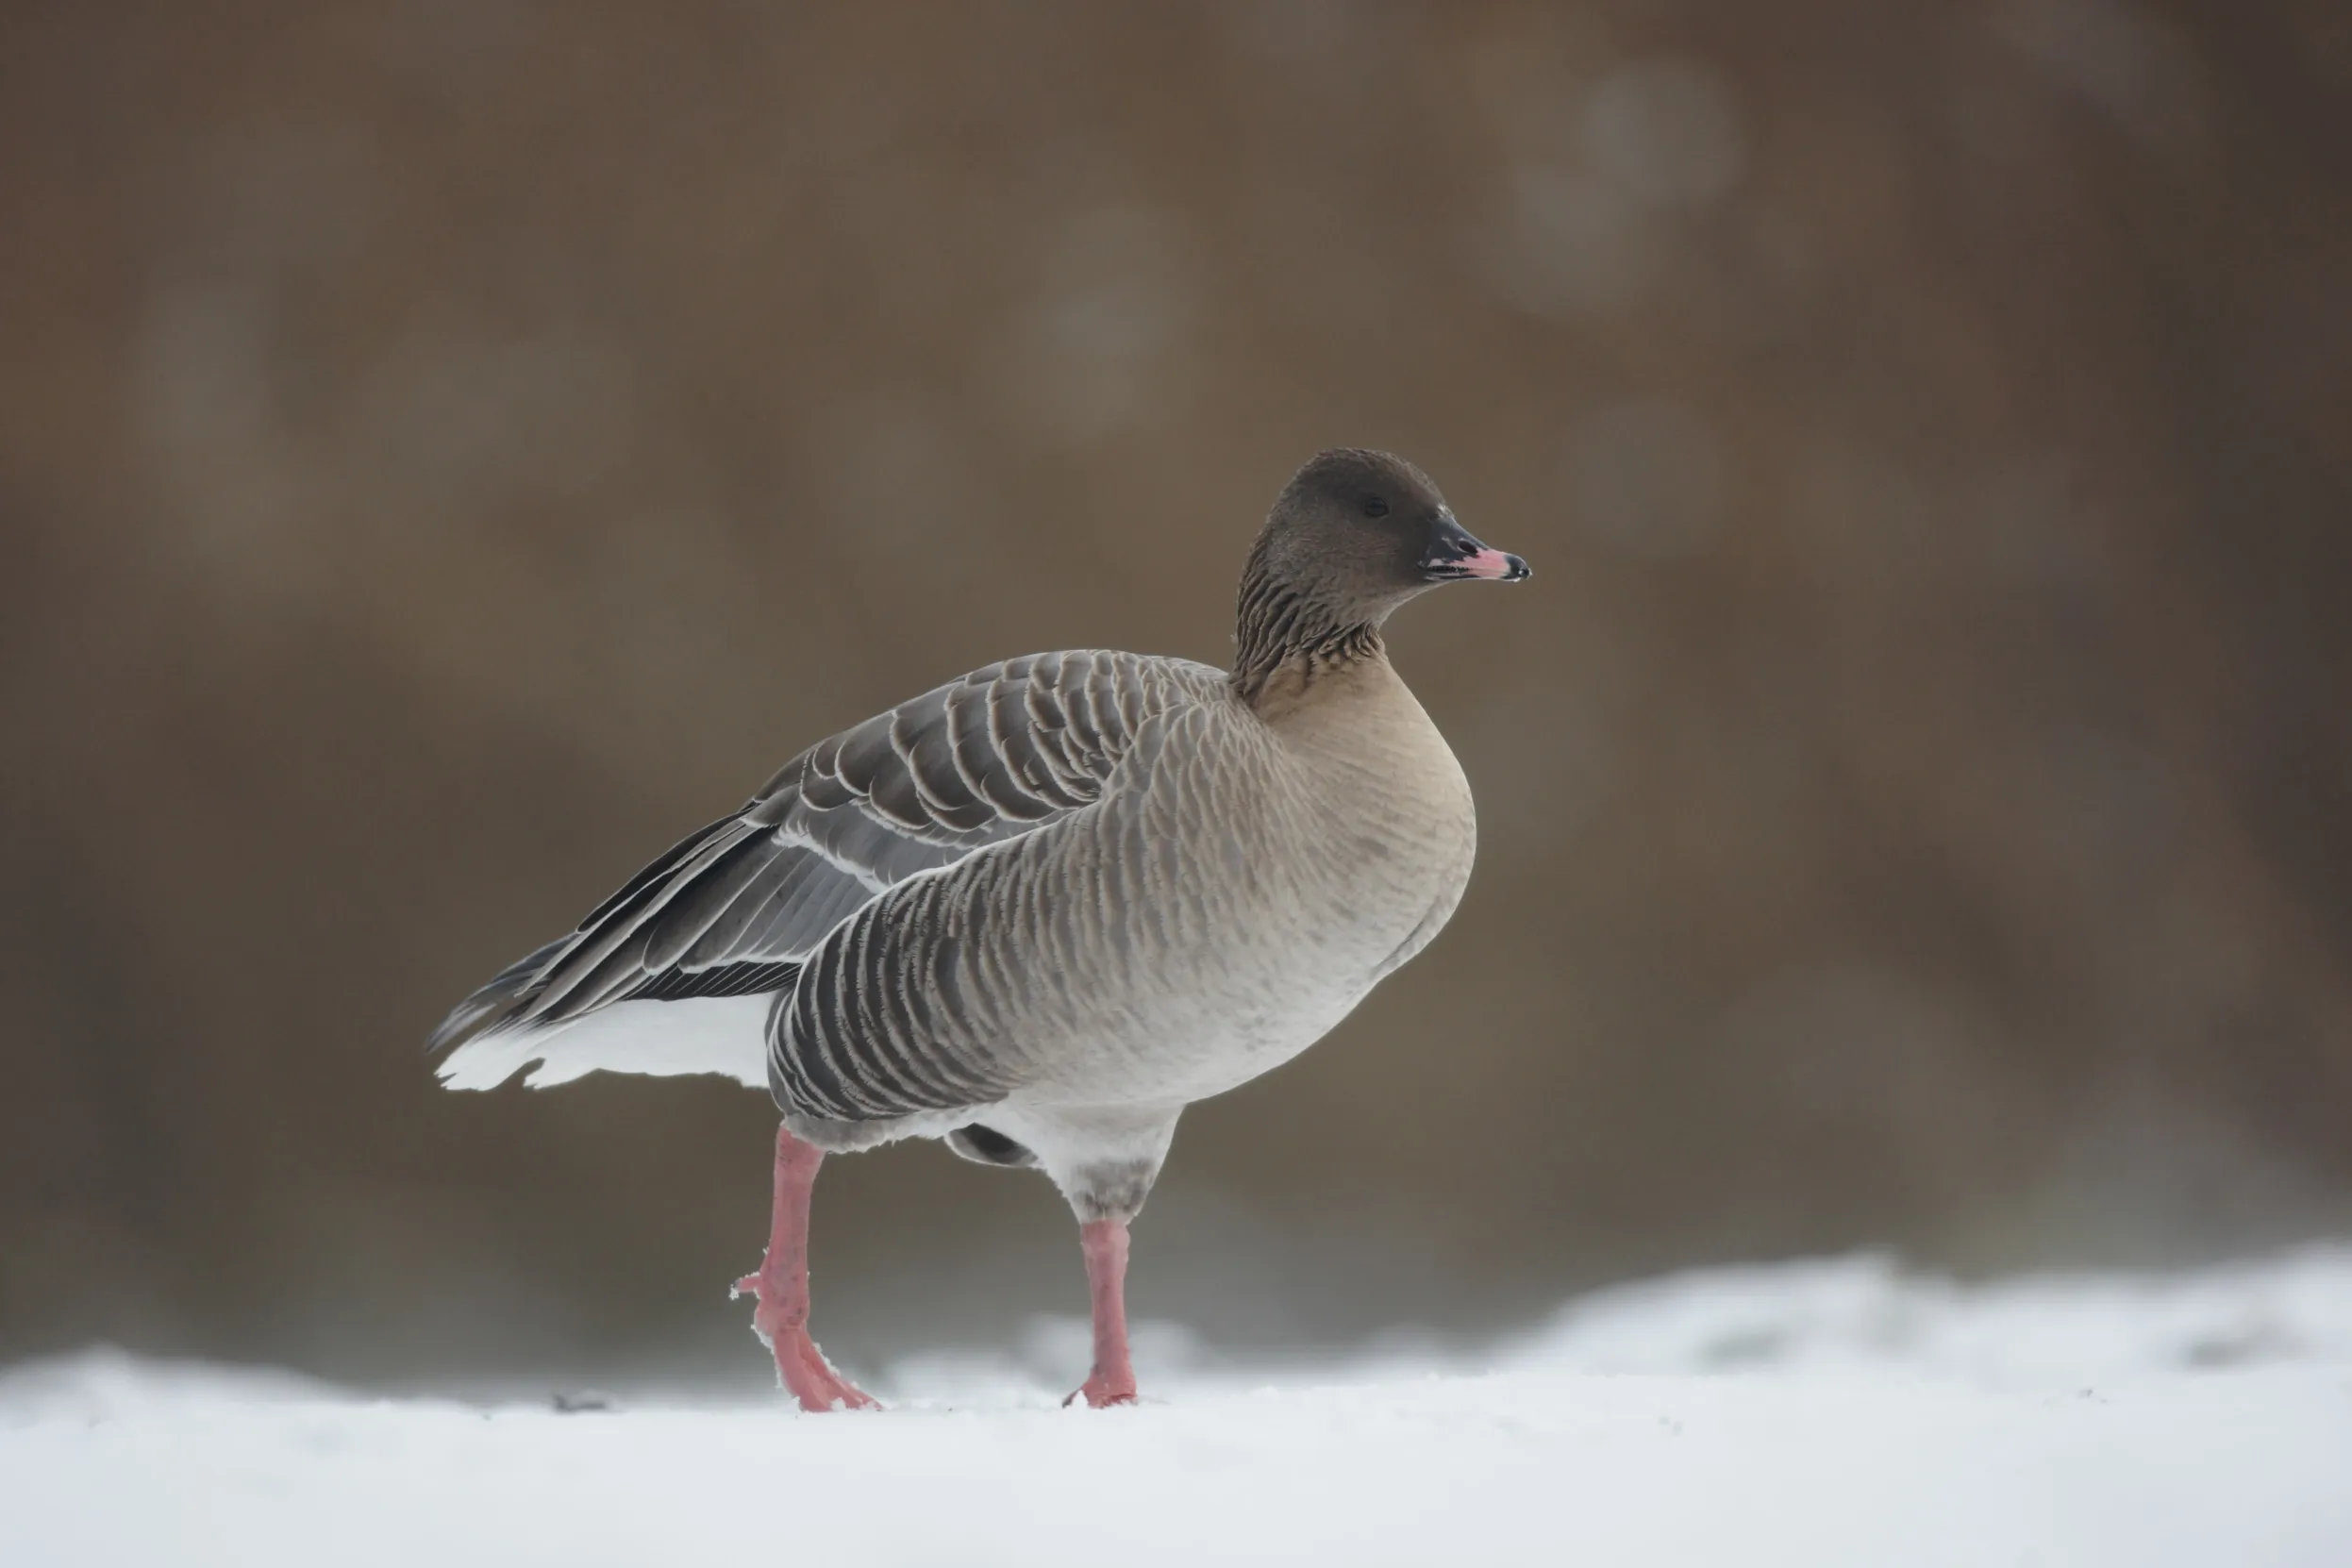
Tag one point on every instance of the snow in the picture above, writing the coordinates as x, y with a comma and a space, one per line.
1818, 1415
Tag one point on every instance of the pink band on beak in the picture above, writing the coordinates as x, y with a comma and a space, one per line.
1486, 564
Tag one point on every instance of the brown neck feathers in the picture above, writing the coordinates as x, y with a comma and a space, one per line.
1280, 627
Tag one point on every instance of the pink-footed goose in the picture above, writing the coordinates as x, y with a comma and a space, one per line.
1039, 910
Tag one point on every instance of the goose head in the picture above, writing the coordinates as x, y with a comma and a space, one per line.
1360, 533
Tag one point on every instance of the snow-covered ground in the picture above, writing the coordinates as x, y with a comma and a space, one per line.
1815, 1414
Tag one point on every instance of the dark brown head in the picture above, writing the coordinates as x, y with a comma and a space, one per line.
1353, 535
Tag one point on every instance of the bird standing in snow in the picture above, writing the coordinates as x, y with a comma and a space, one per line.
1040, 909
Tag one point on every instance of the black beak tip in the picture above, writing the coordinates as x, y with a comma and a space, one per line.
1520, 571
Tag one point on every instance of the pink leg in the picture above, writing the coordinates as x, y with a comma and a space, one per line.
1113, 1382
781, 1319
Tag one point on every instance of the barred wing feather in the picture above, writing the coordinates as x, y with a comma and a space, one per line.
734, 907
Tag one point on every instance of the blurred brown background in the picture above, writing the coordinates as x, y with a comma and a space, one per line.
449, 450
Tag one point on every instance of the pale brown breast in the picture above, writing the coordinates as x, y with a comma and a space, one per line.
1393, 831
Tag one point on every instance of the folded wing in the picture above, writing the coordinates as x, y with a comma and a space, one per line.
733, 908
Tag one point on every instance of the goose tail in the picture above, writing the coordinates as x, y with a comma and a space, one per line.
491, 1009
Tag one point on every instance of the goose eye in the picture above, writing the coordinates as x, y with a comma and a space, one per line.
1374, 507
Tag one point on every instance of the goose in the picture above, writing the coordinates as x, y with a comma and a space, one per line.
1037, 912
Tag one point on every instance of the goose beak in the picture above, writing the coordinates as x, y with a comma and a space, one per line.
1454, 556
1494, 566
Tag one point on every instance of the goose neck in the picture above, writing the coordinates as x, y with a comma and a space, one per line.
1289, 638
